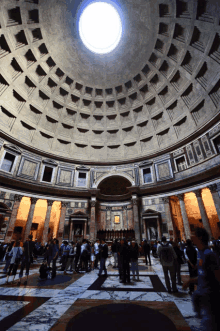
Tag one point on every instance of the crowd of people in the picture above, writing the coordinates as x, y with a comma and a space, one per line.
200, 254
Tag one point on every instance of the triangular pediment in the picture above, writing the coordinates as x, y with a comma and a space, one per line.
50, 162
12, 148
150, 212
82, 168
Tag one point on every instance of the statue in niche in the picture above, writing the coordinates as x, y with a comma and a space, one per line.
153, 233
78, 231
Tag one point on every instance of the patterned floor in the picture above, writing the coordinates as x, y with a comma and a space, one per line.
37, 307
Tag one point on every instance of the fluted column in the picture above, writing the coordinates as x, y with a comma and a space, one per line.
136, 219
203, 213
13, 218
184, 216
71, 231
47, 221
108, 218
124, 217
62, 220
169, 217
30, 218
92, 221
213, 189
159, 229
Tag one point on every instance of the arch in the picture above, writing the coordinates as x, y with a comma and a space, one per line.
118, 174
114, 186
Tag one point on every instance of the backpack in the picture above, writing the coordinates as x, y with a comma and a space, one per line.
166, 253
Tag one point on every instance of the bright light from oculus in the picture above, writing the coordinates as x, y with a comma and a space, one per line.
100, 27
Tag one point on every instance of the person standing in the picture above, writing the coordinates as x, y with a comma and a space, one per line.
167, 257
96, 252
103, 256
77, 257
65, 253
134, 259
178, 262
182, 247
190, 253
7, 257
16, 254
27, 258
92, 258
146, 248
71, 257
124, 254
53, 256
115, 253
206, 297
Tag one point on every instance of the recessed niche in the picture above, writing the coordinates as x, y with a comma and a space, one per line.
98, 104
110, 104
98, 92
4, 48
43, 50
43, 98
199, 113
177, 81
86, 103
144, 91
163, 137
29, 86
179, 33
50, 62
6, 118
173, 53
174, 110
125, 116
20, 39
197, 40
14, 16
36, 34
56, 105
181, 127
40, 73
163, 29
190, 96
118, 89
109, 91
182, 9
155, 82
142, 128
33, 16
30, 58
63, 94
75, 99
69, 81
52, 85
187, 63
146, 143
215, 94
18, 101
154, 60
138, 78
128, 85
204, 12
159, 46
88, 90
164, 10
70, 114
59, 73
133, 97
158, 120
121, 102
215, 49
34, 114
138, 112
146, 70
152, 105
3, 84
15, 69
203, 76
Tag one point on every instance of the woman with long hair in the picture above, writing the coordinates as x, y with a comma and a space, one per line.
16, 254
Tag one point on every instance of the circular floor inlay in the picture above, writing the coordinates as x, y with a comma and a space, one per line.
120, 316
100, 27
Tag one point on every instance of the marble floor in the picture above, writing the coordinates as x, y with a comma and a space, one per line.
36, 308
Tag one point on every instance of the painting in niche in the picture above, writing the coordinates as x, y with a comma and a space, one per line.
78, 230
117, 219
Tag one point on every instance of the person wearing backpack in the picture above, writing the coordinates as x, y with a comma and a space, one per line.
16, 254
206, 298
167, 257
191, 253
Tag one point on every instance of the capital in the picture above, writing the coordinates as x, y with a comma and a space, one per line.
108, 208
198, 193
125, 207
180, 196
212, 188
135, 201
93, 203
64, 204
49, 202
165, 199
34, 200
18, 197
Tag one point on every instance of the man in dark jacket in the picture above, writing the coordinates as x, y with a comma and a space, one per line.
124, 256
103, 250
146, 247
27, 257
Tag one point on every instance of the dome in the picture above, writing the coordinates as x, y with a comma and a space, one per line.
154, 91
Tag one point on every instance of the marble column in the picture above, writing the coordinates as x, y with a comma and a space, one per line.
71, 231
124, 217
84, 230
17, 201
203, 213
92, 221
214, 190
62, 221
30, 218
136, 220
159, 228
184, 216
169, 218
47, 221
108, 218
